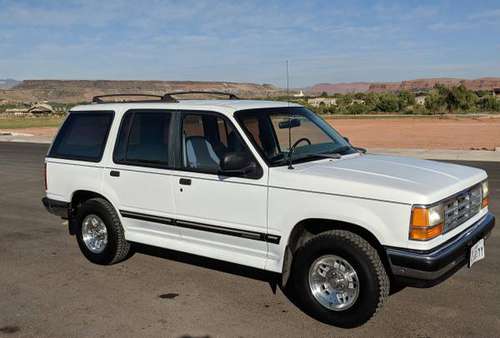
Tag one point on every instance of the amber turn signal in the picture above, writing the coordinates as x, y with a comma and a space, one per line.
420, 217
426, 223
486, 202
426, 233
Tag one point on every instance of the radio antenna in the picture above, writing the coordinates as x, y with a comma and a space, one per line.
290, 150
287, 85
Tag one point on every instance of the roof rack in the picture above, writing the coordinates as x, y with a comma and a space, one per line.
162, 98
230, 95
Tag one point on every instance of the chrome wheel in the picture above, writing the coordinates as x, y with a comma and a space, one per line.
94, 233
334, 282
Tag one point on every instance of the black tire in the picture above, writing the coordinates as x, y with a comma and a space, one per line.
117, 248
374, 283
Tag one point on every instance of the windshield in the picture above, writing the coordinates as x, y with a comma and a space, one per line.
274, 131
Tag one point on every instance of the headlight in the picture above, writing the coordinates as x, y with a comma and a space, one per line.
426, 222
485, 191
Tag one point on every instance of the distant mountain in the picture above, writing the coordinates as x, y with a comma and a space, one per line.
73, 91
485, 83
8, 83
341, 88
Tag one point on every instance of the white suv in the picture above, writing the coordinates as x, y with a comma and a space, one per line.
268, 185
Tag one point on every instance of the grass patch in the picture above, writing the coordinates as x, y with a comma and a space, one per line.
35, 122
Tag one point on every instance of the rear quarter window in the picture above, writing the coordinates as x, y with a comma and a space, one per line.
83, 136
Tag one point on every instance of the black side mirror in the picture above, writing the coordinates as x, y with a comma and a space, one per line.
347, 139
237, 163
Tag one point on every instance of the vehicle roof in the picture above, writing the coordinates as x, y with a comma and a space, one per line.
222, 106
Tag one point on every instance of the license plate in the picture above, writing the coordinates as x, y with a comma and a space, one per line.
476, 252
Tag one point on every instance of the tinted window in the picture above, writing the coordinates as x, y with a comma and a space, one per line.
144, 139
206, 139
83, 136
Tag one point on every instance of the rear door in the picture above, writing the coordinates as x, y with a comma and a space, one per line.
141, 176
221, 217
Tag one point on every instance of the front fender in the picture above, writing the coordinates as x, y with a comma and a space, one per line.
386, 221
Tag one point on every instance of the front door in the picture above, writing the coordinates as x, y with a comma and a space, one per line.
221, 217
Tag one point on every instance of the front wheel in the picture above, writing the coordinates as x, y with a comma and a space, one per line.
339, 279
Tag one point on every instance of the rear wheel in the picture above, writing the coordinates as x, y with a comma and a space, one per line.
99, 232
339, 279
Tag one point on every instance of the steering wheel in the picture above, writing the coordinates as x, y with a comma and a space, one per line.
304, 139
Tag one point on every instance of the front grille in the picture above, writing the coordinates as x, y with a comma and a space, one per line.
461, 208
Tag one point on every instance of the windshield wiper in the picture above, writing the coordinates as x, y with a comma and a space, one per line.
339, 151
317, 155
335, 156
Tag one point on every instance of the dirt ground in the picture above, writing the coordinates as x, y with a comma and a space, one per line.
35, 131
423, 133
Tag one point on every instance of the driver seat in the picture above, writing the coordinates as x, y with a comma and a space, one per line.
199, 153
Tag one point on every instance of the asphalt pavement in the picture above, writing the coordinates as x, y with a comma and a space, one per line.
48, 289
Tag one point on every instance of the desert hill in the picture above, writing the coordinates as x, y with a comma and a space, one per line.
8, 83
485, 83
70, 91
341, 88
73, 91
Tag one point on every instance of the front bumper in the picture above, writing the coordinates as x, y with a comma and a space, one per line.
441, 262
55, 207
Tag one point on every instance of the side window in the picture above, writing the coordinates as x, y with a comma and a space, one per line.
83, 136
251, 123
206, 138
143, 139
262, 133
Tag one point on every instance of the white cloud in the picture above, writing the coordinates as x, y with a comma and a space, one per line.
226, 40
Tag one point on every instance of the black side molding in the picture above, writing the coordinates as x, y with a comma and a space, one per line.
252, 235
55, 207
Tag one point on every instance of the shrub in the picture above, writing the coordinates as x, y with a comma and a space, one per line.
387, 102
489, 103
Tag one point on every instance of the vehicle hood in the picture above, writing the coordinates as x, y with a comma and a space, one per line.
388, 178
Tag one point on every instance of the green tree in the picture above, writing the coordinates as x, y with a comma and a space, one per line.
360, 96
406, 99
387, 102
357, 108
482, 93
489, 103
434, 102
371, 100
344, 100
456, 98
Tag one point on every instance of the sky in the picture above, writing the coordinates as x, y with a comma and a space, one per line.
249, 41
